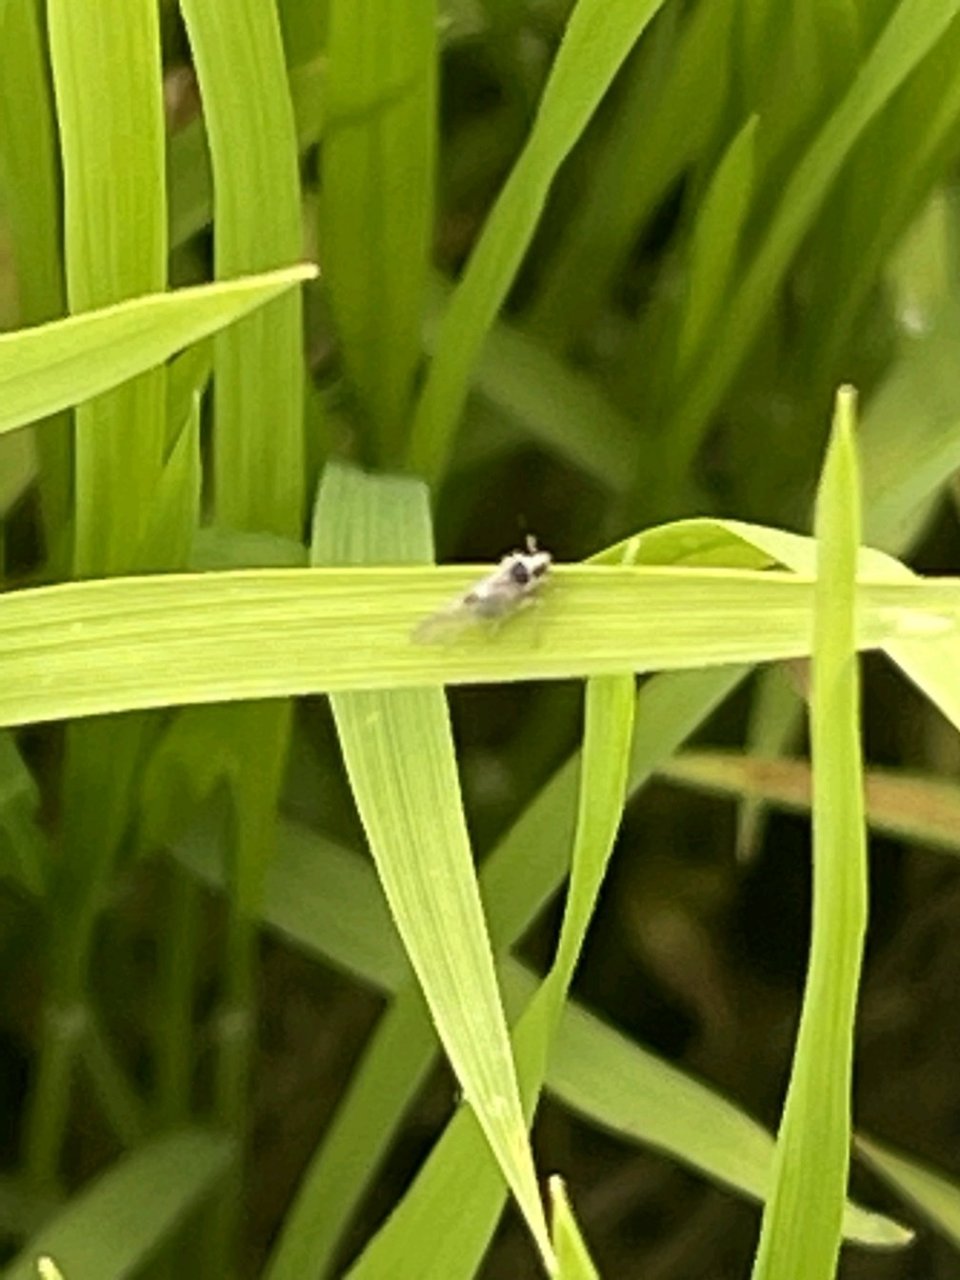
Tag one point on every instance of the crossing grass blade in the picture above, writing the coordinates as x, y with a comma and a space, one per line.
934, 1195
54, 365
325, 899
660, 128
115, 224
915, 807
517, 879
258, 457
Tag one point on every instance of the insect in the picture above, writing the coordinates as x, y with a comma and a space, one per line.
512, 586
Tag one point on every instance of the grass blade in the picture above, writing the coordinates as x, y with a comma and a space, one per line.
29, 173
402, 769
599, 36
935, 1196
259, 368
115, 230
115, 248
459, 1186
94, 647
520, 875
912, 31
258, 477
376, 211
913, 807
572, 1256
67, 361
115, 1226
802, 1222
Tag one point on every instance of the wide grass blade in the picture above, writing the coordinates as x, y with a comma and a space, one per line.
115, 225
30, 183
115, 248
401, 764
258, 449
93, 647
802, 1223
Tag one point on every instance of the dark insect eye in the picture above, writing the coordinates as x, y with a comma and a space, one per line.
539, 569
520, 573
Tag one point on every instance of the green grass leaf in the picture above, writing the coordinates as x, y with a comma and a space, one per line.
599, 35
377, 196
517, 879
131, 643
459, 1186
714, 245
911, 32
908, 806
400, 761
112, 1228
544, 397
802, 1223
54, 365
115, 224
572, 1256
191, 183
30, 184
935, 1196
258, 429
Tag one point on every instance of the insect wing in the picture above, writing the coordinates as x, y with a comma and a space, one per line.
446, 624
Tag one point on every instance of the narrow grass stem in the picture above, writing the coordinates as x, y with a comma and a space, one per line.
62, 1029
117, 1095
178, 963
235, 1033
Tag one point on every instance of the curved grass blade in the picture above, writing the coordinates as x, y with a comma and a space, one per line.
599, 35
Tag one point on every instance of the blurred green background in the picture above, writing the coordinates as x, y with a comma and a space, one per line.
671, 269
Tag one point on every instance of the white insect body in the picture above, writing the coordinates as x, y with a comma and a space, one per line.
510, 587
